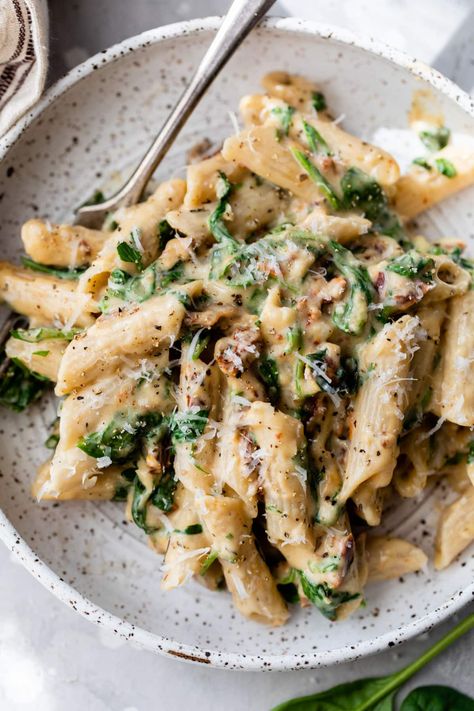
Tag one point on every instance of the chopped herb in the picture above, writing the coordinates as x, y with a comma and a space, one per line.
324, 598
35, 335
319, 101
318, 178
445, 167
423, 163
127, 253
268, 371
285, 117
413, 265
42, 354
59, 272
316, 142
210, 558
435, 140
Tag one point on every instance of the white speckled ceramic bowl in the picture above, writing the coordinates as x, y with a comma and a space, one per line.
90, 126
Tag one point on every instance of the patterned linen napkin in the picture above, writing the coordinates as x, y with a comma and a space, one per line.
23, 57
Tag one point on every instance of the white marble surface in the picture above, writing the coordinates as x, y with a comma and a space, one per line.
50, 658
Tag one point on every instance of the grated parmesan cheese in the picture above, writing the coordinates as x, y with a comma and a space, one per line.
185, 556
103, 462
239, 586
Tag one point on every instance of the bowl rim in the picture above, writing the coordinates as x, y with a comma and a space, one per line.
14, 541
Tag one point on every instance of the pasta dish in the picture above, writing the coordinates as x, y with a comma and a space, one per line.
261, 358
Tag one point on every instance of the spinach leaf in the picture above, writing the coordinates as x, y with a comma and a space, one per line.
226, 246
445, 167
285, 117
324, 598
52, 441
209, 560
319, 101
413, 265
423, 163
138, 288
216, 222
191, 530
318, 178
120, 438
346, 379
289, 592
96, 198
165, 233
35, 335
351, 315
162, 495
268, 371
362, 192
377, 694
435, 140
59, 272
187, 426
19, 386
140, 500
470, 453
294, 337
316, 142
437, 698
127, 253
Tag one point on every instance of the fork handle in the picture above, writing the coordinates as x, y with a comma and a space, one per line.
242, 16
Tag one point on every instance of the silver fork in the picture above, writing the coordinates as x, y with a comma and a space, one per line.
242, 16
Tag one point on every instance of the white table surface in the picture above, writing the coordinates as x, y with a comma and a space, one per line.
50, 658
